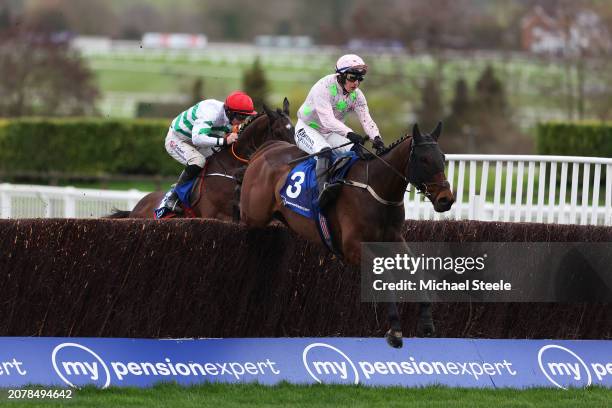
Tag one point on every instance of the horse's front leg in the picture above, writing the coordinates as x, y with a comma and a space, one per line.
394, 334
425, 325
352, 250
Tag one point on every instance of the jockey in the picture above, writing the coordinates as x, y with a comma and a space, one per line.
320, 124
195, 132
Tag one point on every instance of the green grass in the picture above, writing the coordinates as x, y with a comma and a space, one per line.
286, 395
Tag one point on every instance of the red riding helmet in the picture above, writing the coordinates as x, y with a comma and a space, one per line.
239, 102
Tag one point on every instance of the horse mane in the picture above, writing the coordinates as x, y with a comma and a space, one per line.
394, 144
251, 120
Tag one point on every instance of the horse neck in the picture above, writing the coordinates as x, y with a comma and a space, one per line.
253, 136
386, 181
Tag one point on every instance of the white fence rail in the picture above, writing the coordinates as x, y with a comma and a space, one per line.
22, 201
550, 189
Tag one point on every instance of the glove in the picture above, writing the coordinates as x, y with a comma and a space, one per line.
378, 143
356, 138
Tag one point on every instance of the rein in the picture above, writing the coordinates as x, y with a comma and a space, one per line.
240, 159
422, 188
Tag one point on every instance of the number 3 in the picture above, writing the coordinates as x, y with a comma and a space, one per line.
293, 191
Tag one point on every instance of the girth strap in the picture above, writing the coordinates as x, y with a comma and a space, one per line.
220, 175
370, 190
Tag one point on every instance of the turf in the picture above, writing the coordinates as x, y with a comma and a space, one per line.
253, 395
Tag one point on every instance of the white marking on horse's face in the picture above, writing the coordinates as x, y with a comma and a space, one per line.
288, 126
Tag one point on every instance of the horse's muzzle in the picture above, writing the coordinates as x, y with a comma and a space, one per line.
444, 201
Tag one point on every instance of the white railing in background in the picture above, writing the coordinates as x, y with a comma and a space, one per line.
550, 189
24, 201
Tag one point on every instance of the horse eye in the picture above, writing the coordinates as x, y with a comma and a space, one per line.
288, 126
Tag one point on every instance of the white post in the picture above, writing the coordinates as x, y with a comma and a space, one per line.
530, 180
497, 193
472, 197
70, 202
552, 188
541, 187
586, 170
562, 191
574, 193
595, 205
519, 190
508, 192
608, 213
5, 201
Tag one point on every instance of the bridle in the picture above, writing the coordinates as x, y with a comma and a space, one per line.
251, 146
421, 186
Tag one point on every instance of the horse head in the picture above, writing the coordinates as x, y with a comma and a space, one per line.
281, 127
426, 168
267, 125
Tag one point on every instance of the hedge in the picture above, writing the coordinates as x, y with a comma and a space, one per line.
575, 139
85, 146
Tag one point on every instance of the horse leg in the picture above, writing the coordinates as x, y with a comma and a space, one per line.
352, 250
394, 334
236, 205
425, 325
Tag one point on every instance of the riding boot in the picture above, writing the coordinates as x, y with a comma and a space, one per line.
172, 198
327, 192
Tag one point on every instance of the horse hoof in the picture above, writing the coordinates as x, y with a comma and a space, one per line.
426, 330
394, 338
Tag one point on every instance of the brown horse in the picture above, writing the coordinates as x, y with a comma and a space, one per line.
216, 196
369, 207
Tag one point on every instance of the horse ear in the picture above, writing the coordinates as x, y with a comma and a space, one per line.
436, 133
286, 106
416, 133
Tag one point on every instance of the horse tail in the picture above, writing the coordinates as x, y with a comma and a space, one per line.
118, 214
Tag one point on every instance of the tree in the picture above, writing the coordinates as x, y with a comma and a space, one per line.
492, 129
458, 125
42, 77
255, 84
490, 94
197, 90
431, 110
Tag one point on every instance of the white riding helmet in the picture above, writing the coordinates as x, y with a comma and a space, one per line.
351, 63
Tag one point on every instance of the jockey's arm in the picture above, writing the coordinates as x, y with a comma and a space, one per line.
203, 135
326, 114
363, 113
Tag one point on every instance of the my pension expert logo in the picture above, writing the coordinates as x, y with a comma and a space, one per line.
564, 368
78, 365
328, 364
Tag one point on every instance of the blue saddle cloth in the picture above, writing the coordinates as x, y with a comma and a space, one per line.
300, 191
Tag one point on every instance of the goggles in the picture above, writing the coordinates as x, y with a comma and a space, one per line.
239, 116
354, 77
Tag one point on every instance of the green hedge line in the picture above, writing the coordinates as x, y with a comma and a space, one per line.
575, 139
85, 146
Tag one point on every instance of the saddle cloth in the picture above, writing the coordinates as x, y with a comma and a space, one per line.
300, 191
